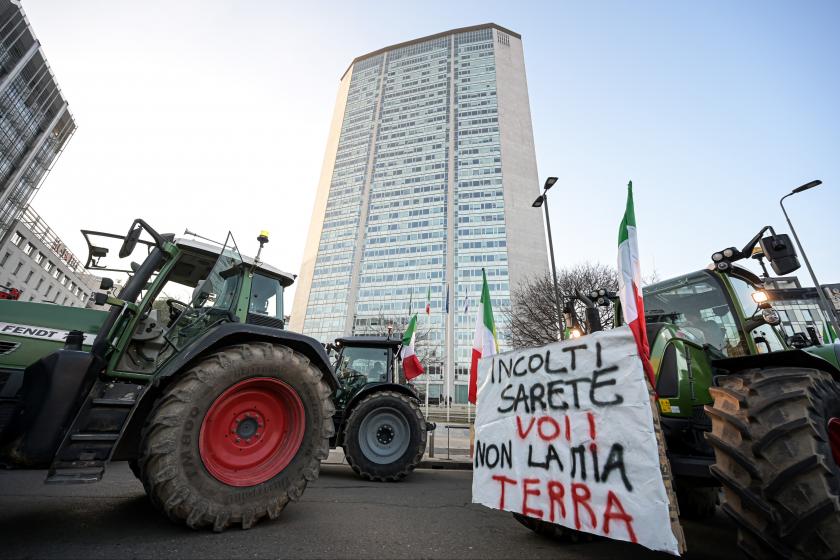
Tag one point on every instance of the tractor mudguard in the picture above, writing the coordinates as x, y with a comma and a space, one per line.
787, 358
53, 391
341, 416
236, 333
226, 334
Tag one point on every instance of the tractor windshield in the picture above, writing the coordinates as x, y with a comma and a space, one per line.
697, 303
363, 364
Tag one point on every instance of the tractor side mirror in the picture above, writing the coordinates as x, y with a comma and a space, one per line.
130, 241
780, 252
106, 284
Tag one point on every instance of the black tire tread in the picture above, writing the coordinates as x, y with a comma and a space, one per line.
780, 480
409, 466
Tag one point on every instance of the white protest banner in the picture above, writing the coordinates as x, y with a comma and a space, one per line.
565, 433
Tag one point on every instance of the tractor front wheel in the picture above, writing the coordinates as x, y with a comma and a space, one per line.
385, 437
776, 436
236, 437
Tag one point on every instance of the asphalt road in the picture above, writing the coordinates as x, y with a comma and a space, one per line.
427, 516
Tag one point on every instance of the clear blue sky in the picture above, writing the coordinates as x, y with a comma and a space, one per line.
214, 114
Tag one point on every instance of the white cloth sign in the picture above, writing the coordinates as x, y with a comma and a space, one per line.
564, 433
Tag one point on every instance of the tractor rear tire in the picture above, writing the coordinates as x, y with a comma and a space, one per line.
385, 436
776, 436
236, 437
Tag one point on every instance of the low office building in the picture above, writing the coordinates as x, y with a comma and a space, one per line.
35, 261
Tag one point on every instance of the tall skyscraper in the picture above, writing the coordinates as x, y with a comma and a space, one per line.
428, 177
35, 122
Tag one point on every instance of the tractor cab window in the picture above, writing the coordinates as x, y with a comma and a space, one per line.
266, 297
697, 303
368, 365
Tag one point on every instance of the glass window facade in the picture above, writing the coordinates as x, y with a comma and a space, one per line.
35, 123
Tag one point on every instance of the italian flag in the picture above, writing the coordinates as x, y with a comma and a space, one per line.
429, 300
485, 342
411, 365
630, 283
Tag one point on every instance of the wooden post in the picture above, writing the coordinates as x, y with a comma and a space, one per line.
665, 468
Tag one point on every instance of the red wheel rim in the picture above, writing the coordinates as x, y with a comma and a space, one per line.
834, 438
252, 431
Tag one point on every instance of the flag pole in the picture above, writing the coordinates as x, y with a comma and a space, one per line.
446, 354
410, 301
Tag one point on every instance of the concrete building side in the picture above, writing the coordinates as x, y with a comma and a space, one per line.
527, 251
313, 238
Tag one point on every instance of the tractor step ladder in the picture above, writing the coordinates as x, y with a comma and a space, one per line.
90, 442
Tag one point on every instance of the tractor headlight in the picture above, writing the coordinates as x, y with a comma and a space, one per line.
717, 257
575, 333
760, 296
728, 253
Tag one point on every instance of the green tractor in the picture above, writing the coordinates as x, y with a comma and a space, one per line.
378, 421
222, 414
742, 406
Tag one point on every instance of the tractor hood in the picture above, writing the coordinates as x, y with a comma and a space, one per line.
30, 331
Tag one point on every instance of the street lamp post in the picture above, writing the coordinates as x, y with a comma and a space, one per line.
823, 301
542, 200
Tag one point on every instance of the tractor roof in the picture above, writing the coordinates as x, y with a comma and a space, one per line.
371, 341
193, 246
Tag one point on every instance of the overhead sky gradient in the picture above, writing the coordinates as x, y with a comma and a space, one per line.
213, 115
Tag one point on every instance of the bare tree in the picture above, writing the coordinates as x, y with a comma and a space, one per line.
424, 348
532, 318
651, 278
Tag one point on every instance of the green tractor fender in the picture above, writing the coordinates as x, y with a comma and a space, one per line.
368, 389
236, 333
227, 334
821, 357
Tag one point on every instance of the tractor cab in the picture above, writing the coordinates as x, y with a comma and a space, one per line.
199, 287
262, 284
360, 361
729, 314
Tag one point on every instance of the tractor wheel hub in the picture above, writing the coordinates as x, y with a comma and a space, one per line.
385, 434
252, 431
